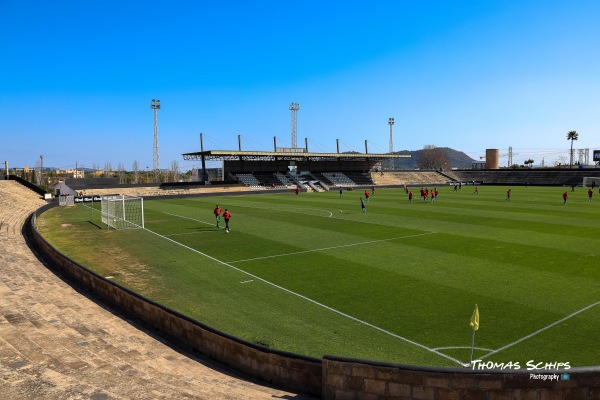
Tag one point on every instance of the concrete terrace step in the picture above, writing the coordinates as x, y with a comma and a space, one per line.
55, 343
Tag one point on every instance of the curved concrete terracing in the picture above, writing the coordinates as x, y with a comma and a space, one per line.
56, 343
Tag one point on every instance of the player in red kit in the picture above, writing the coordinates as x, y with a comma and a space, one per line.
226, 217
218, 212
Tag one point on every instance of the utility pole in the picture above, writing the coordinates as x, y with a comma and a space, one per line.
41, 170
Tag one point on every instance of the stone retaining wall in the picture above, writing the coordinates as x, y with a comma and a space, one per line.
280, 368
351, 379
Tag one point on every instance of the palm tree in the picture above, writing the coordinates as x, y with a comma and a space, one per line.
572, 135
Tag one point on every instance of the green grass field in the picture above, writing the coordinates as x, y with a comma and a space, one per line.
314, 275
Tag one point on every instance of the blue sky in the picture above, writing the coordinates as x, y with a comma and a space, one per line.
77, 77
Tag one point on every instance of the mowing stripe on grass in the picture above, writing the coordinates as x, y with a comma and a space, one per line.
330, 248
312, 301
540, 330
303, 251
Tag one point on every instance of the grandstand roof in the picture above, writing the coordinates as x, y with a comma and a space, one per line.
285, 155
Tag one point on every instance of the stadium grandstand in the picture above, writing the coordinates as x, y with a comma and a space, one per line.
286, 168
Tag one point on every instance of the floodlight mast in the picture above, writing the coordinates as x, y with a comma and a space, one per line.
155, 106
294, 107
391, 161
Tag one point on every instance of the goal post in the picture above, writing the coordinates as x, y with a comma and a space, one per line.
122, 212
589, 181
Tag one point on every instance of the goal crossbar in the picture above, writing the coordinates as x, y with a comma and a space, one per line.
589, 181
122, 212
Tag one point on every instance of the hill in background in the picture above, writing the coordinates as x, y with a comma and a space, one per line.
456, 159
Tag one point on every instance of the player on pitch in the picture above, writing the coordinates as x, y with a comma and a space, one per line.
218, 212
226, 217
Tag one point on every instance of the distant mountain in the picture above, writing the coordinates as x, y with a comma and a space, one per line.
456, 159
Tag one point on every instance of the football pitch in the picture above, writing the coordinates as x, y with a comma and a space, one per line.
313, 274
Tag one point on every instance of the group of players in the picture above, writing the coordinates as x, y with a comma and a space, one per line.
590, 192
220, 214
425, 195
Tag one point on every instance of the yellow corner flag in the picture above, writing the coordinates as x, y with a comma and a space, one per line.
475, 319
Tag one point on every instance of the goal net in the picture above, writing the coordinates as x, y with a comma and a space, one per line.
122, 212
588, 181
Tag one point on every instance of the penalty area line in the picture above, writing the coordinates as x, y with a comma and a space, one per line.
422, 346
193, 219
291, 210
331, 248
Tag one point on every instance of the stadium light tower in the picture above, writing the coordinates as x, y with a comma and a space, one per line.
391, 161
155, 106
294, 107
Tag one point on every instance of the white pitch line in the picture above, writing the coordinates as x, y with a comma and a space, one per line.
540, 330
311, 300
461, 347
251, 280
290, 209
330, 248
193, 219
189, 233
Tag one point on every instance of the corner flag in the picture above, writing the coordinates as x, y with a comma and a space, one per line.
474, 324
475, 319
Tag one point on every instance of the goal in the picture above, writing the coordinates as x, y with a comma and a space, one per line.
589, 180
122, 212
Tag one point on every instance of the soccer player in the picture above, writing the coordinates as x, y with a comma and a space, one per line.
590, 193
373, 191
476, 189
508, 195
218, 212
565, 197
341, 192
297, 191
226, 217
362, 205
410, 195
367, 195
